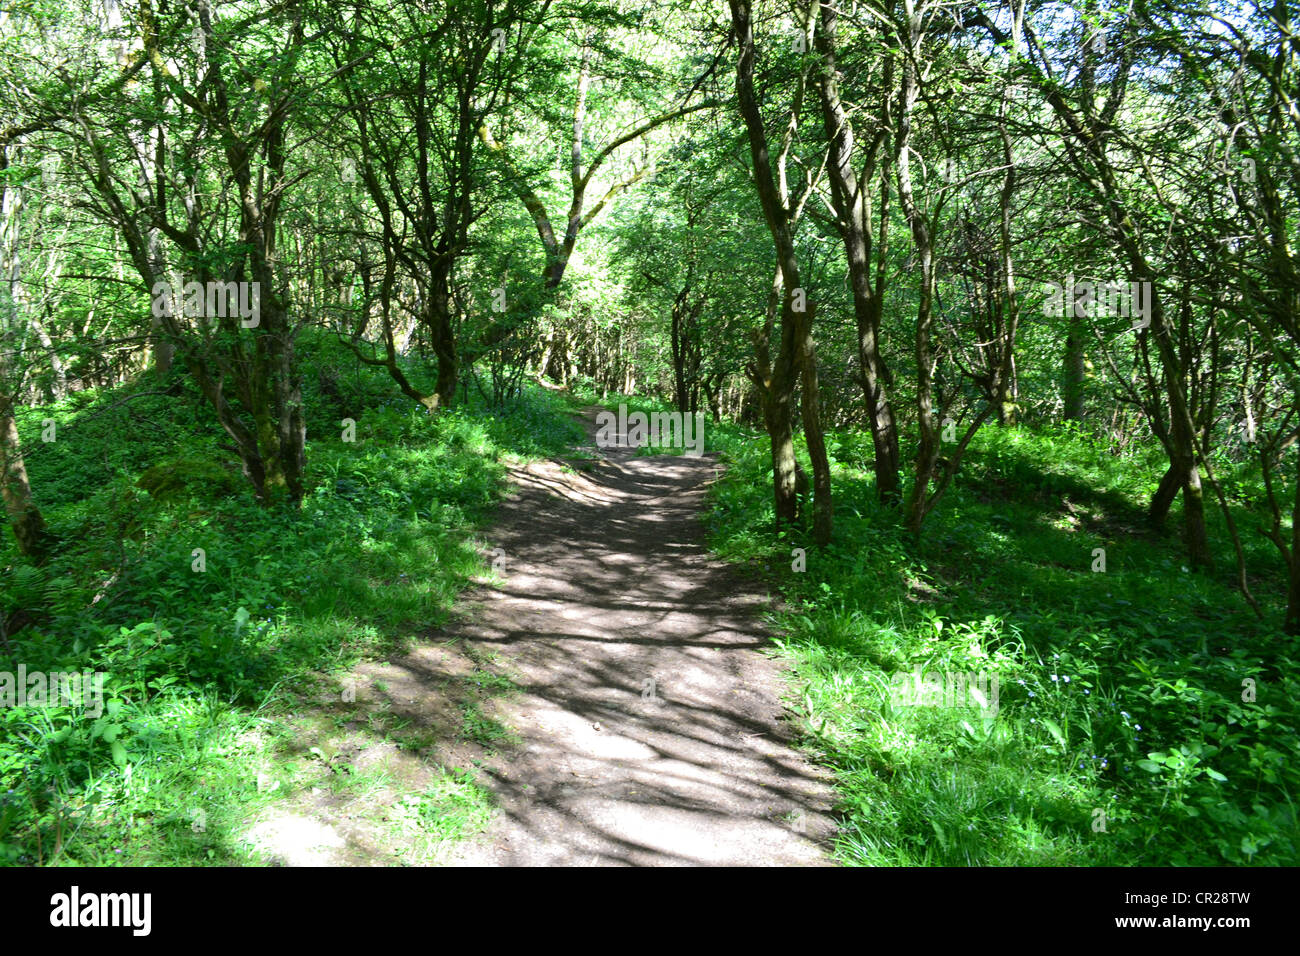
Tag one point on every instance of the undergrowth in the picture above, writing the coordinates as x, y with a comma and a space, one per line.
204, 613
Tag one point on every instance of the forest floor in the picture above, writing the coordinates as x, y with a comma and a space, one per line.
621, 708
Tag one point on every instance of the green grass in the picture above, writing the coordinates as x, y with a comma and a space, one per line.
1148, 754
1121, 735
199, 665
452, 808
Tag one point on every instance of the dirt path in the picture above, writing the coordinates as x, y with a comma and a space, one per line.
608, 587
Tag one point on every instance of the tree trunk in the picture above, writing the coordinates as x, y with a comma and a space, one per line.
1004, 377
849, 198
438, 322
1291, 623
1101, 175
24, 516
1163, 499
678, 347
778, 418
1072, 390
775, 379
823, 508
927, 454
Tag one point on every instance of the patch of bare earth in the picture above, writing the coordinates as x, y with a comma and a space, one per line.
365, 750
649, 717
646, 728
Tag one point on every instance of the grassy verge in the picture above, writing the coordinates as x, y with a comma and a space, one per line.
211, 619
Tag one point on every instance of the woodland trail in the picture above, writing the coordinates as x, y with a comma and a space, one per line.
607, 587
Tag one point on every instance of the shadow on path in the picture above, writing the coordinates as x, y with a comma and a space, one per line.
649, 725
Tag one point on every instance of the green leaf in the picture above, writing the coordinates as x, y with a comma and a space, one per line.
119, 754
1054, 729
938, 831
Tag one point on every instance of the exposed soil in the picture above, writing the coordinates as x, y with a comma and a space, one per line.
646, 728
609, 587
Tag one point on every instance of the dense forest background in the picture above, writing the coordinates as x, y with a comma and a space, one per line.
992, 308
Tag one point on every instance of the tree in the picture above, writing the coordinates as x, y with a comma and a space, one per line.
774, 376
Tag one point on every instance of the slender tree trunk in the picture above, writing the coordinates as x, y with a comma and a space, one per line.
59, 386
24, 516
438, 322
778, 418
1004, 379
1163, 499
823, 507
1102, 177
1182, 440
1292, 620
1072, 390
678, 347
850, 199
927, 454
16, 490
775, 379
162, 349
